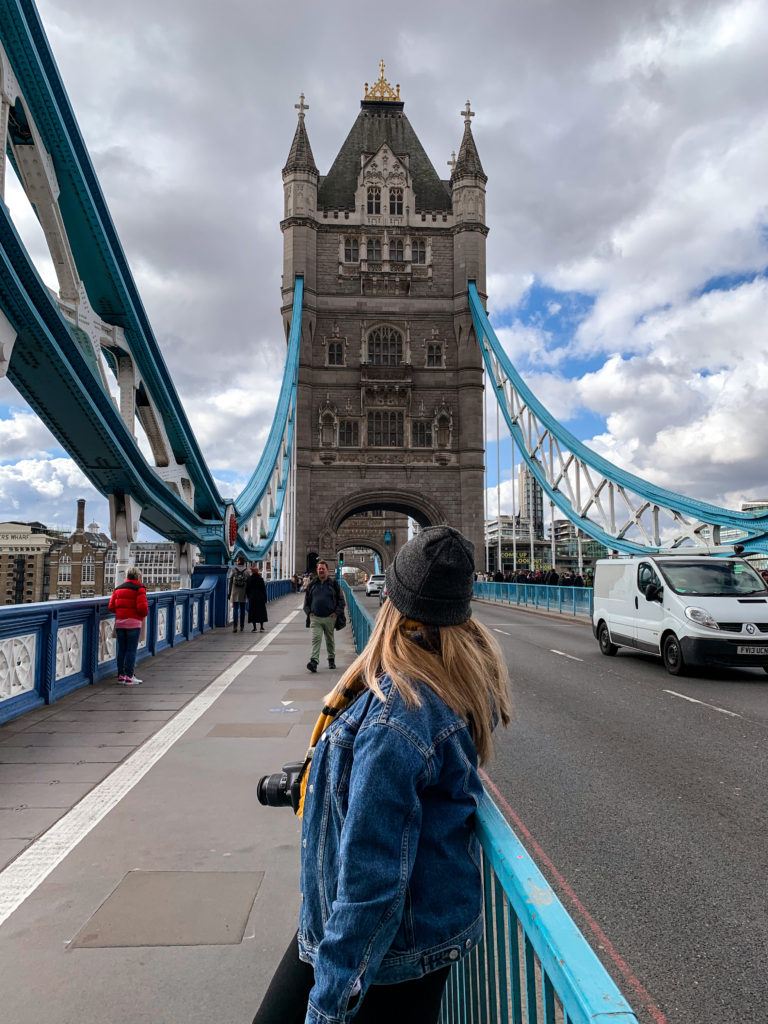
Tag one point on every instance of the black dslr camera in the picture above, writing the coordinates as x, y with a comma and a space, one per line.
283, 789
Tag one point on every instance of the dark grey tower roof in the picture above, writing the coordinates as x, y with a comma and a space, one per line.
379, 122
469, 160
300, 157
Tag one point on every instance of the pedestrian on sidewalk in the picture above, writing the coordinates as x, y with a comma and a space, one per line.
390, 878
238, 579
323, 601
129, 603
256, 596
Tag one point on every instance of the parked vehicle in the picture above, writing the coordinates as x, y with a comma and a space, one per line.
382, 595
690, 609
374, 584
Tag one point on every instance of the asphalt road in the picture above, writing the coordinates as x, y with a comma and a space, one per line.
643, 799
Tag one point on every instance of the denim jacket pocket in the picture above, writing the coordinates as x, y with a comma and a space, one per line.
340, 742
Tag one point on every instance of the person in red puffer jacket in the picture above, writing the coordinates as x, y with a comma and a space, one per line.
129, 603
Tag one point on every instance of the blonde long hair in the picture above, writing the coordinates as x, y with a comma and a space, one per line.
463, 665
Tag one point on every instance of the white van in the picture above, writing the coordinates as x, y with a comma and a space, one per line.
690, 609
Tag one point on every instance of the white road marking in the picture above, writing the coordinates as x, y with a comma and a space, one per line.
501, 631
272, 633
564, 655
23, 875
712, 707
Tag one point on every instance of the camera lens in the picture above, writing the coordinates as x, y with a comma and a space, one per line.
271, 790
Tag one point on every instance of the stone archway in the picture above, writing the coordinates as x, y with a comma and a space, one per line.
376, 520
417, 506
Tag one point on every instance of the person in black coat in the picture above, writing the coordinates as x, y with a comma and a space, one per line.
256, 595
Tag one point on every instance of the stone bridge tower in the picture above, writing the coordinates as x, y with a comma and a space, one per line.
390, 386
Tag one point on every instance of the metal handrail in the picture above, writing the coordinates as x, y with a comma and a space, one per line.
564, 600
533, 964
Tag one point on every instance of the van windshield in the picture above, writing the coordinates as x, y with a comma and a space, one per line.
712, 579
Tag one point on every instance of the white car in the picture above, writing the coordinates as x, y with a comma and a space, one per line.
374, 584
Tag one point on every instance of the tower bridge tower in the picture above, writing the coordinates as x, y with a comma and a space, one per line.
390, 383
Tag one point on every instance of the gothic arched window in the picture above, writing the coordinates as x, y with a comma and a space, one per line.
422, 434
327, 429
373, 249
351, 250
434, 355
335, 353
396, 249
349, 434
395, 200
419, 251
385, 347
374, 199
443, 431
385, 429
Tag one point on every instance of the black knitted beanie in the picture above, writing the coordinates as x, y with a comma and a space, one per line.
432, 577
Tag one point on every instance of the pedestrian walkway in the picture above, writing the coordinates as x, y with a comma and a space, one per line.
140, 880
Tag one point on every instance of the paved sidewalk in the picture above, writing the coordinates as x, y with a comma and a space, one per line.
178, 903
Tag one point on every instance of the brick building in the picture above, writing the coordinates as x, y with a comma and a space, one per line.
78, 565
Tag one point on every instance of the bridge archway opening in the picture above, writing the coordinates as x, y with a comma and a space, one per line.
415, 506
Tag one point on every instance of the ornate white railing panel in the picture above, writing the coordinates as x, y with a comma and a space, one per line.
69, 651
18, 656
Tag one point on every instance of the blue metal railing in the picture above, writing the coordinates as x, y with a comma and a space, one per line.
360, 618
51, 648
533, 965
565, 600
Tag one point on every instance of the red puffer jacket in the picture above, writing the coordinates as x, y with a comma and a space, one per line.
129, 601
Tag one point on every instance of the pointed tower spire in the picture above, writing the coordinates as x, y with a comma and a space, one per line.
300, 157
468, 161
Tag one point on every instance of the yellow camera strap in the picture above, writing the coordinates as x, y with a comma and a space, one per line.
335, 702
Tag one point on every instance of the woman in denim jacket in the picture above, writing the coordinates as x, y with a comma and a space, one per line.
390, 876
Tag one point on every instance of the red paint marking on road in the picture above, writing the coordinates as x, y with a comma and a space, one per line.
621, 964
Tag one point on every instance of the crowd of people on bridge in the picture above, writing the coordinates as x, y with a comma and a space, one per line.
540, 577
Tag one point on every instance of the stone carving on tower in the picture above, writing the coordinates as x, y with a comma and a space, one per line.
391, 426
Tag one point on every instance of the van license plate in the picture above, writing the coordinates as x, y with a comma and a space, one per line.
752, 650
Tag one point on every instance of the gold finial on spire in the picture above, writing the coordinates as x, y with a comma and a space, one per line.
382, 90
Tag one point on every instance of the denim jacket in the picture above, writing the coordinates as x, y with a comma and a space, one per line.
390, 874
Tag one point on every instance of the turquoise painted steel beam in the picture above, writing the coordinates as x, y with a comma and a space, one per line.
98, 254
754, 525
274, 465
48, 368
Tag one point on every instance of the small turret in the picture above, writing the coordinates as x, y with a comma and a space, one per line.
468, 181
300, 174
300, 157
300, 179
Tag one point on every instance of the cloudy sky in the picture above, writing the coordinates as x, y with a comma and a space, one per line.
626, 147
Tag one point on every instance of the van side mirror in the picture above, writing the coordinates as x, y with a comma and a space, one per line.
652, 592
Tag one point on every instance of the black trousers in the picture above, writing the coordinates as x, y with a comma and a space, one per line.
410, 1001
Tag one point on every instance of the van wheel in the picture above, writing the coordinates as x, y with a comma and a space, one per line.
604, 639
673, 656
